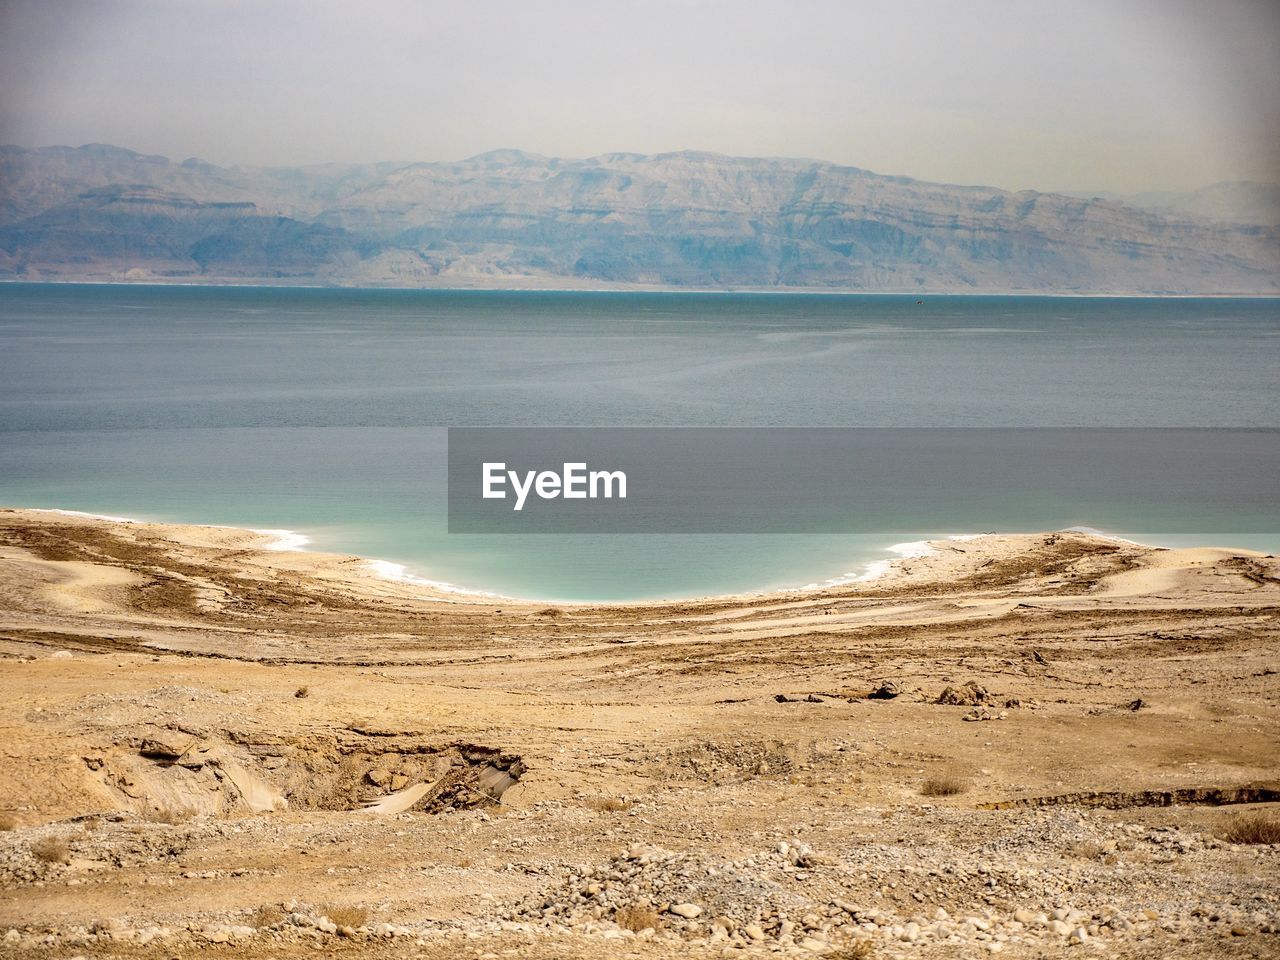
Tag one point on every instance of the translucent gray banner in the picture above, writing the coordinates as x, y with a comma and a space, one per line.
861, 480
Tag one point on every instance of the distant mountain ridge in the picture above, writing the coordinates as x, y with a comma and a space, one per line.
1238, 201
513, 219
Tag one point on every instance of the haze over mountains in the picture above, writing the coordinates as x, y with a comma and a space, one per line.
696, 220
1237, 201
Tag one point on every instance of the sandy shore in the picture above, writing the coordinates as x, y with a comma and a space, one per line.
193, 721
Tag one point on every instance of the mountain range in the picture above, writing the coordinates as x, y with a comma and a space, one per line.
1237, 201
687, 220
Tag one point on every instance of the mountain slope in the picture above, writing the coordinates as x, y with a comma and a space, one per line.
508, 218
1241, 202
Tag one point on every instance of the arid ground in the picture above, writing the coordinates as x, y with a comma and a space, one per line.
1031, 745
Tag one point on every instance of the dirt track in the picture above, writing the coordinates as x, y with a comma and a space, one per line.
662, 753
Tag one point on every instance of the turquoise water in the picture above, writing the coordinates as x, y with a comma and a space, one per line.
323, 410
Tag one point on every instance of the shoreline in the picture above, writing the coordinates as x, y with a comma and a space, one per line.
877, 571
866, 572
286, 540
711, 291
394, 570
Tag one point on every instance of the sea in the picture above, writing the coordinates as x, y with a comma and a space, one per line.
323, 412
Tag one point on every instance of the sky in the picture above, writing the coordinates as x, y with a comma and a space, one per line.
1087, 95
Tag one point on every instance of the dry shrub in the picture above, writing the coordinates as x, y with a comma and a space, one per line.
170, 814
1088, 850
636, 917
267, 915
51, 850
303, 691
944, 786
551, 612
1221, 708
8, 821
609, 804
345, 914
1262, 826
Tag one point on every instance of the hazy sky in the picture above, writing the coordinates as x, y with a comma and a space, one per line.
1083, 95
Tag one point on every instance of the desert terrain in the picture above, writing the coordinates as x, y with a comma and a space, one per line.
1033, 745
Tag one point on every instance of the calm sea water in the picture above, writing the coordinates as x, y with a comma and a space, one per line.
323, 410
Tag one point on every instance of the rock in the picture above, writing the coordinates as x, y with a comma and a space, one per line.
165, 746
968, 695
886, 690
689, 911
813, 944
1060, 928
800, 855
984, 713
60, 655
752, 930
